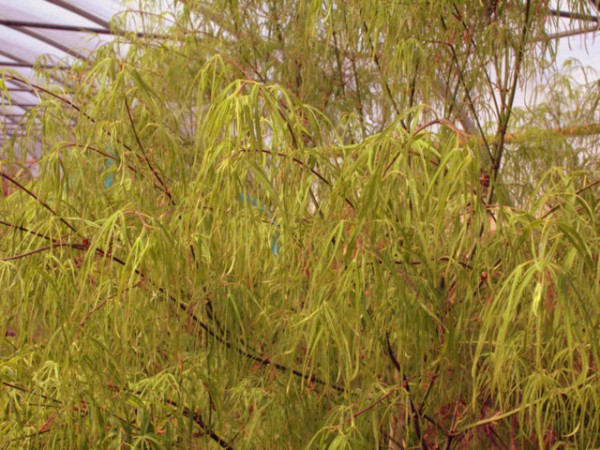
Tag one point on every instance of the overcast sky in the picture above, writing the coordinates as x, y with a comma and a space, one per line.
585, 48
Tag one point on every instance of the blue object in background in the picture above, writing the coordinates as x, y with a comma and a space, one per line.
275, 246
247, 199
109, 178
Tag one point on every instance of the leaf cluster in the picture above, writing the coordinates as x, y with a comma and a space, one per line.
230, 243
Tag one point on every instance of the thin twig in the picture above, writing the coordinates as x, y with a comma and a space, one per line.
219, 338
31, 194
300, 163
145, 155
583, 189
462, 80
405, 384
362, 411
507, 107
383, 77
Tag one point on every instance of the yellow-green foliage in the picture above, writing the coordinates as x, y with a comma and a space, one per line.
281, 265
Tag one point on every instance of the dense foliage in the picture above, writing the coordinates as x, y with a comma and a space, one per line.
297, 224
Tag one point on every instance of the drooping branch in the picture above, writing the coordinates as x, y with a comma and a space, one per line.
222, 339
41, 202
303, 165
166, 190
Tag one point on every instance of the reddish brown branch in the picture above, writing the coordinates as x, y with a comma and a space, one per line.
31, 194
304, 166
145, 156
219, 338
364, 410
583, 189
